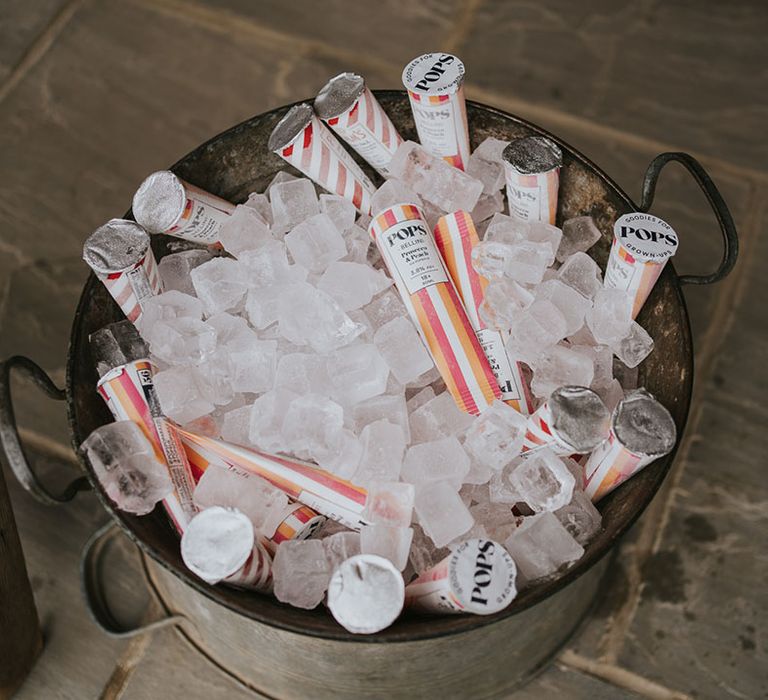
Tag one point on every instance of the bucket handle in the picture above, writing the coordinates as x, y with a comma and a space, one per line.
716, 201
92, 586
9, 431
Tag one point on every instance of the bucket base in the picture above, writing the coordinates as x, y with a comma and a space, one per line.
488, 662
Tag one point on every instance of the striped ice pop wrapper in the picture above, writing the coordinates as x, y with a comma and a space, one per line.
302, 140
298, 520
456, 236
532, 170
642, 245
347, 105
129, 392
410, 253
322, 491
119, 255
164, 203
435, 84
642, 431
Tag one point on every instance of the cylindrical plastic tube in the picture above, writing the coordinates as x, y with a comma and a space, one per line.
532, 170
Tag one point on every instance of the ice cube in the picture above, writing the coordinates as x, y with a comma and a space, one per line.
231, 330
583, 337
220, 284
116, 344
580, 518
419, 399
311, 423
634, 347
389, 503
340, 546
279, 178
611, 394
167, 307
175, 269
125, 463
542, 481
490, 258
386, 306
541, 545
266, 419
499, 488
571, 303
485, 165
438, 418
351, 284
292, 201
340, 210
487, 206
579, 235
301, 573
503, 303
343, 454
393, 543
316, 243
244, 230
303, 372
309, 316
268, 265
496, 436
526, 261
263, 303
385, 407
393, 192
441, 512
539, 327
215, 374
424, 555
496, 518
402, 349
383, 448
253, 365
435, 180
610, 318
256, 498
560, 366
260, 204
234, 426
358, 243
601, 358
439, 460
582, 273
181, 341
180, 394
358, 372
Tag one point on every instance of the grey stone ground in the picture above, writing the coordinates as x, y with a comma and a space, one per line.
95, 94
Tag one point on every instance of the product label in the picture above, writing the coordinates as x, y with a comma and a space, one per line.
139, 282
645, 237
524, 202
367, 145
434, 74
411, 250
482, 576
492, 343
436, 125
331, 510
200, 222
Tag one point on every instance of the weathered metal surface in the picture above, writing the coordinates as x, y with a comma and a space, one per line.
238, 162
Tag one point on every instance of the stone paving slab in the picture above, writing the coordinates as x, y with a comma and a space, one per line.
658, 69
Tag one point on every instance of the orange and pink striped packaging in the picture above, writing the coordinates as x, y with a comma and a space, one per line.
435, 85
316, 152
413, 260
456, 236
322, 491
256, 573
129, 392
532, 195
298, 521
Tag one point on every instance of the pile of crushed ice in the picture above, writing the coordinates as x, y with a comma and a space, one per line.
297, 343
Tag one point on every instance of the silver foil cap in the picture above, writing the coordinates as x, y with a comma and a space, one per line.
290, 126
643, 425
159, 201
115, 345
579, 417
115, 246
533, 154
217, 542
338, 95
366, 594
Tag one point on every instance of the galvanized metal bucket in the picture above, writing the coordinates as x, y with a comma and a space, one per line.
289, 653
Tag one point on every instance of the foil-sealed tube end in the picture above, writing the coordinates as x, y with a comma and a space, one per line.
119, 255
352, 111
642, 430
116, 344
532, 171
642, 245
306, 143
573, 420
435, 85
478, 577
217, 543
366, 594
